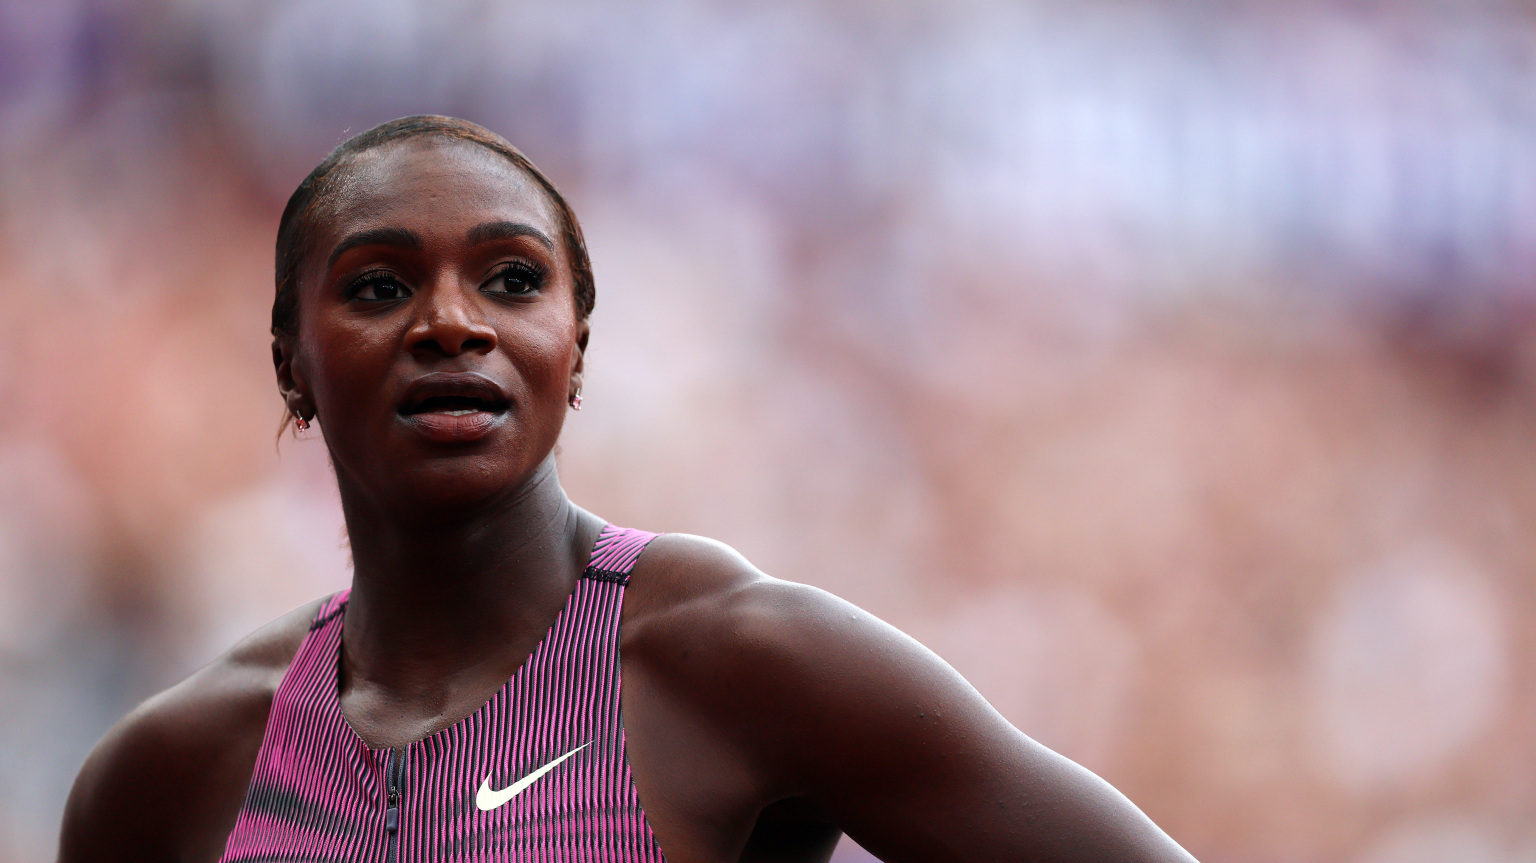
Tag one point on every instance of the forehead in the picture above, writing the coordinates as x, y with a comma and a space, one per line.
430, 184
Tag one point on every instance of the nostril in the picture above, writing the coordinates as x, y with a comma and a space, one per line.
450, 331
450, 347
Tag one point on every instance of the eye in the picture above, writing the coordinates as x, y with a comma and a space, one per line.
518, 278
378, 286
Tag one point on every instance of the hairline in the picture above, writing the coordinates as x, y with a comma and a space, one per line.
333, 181
319, 183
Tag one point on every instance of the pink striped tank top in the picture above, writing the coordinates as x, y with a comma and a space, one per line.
539, 772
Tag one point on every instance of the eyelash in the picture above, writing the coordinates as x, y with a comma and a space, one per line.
374, 277
531, 273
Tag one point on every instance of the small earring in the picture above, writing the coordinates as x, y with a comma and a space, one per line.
576, 400
300, 423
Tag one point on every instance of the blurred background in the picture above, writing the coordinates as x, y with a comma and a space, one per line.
1166, 366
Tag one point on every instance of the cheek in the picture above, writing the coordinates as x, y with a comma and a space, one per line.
346, 365
542, 352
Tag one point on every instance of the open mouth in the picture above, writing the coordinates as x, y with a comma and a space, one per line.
455, 406
453, 393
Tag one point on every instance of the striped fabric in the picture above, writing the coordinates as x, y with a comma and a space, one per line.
319, 793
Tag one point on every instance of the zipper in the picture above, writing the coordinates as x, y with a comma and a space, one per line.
394, 772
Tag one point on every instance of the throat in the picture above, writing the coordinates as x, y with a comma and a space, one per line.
402, 679
439, 620
398, 710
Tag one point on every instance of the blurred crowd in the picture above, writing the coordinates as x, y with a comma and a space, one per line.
1166, 366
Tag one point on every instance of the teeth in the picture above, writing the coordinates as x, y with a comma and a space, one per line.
461, 413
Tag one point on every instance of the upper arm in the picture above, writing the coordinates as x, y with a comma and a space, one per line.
166, 782
912, 762
132, 796
825, 702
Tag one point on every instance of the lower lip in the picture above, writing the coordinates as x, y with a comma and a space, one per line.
450, 428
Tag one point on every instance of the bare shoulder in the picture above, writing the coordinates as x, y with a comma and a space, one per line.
787, 662
684, 574
805, 696
690, 591
167, 780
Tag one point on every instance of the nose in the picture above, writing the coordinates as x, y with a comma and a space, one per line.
450, 322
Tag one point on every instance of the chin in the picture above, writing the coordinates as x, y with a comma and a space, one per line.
445, 487
477, 476
437, 483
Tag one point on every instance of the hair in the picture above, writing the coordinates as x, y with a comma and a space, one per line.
293, 228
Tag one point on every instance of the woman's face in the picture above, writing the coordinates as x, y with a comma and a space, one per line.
438, 341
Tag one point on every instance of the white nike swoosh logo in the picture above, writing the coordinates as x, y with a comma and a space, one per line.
486, 799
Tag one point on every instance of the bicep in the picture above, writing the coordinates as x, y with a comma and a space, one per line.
915, 765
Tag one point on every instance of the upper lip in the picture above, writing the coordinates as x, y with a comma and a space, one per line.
479, 389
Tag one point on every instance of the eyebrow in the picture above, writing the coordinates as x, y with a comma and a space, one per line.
493, 231
400, 238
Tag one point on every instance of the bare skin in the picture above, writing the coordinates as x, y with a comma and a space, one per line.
763, 717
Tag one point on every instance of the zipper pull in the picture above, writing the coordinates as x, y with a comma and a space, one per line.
392, 770
391, 773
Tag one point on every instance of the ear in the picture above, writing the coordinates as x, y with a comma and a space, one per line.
578, 364
290, 380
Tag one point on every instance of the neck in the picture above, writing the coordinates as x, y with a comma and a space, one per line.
438, 597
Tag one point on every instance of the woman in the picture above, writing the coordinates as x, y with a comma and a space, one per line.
509, 677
